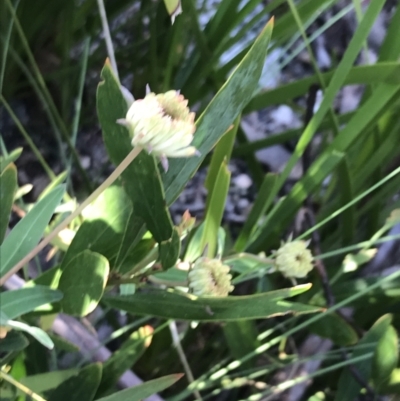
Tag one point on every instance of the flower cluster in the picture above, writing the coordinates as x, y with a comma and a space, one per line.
162, 124
210, 277
293, 259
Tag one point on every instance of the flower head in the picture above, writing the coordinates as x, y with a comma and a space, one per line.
210, 277
162, 124
293, 259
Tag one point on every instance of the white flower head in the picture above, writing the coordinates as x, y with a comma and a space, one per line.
293, 259
210, 277
162, 124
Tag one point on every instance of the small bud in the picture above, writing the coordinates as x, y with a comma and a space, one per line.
293, 259
210, 277
3, 332
162, 124
186, 224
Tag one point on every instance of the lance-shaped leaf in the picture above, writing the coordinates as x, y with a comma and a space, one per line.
8, 186
144, 390
81, 387
27, 233
24, 300
10, 158
348, 387
35, 332
171, 305
220, 114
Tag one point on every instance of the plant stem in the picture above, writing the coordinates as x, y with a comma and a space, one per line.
177, 343
21, 387
150, 257
109, 181
107, 37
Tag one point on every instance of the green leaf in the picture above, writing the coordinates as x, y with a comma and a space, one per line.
141, 179
248, 148
27, 233
390, 48
35, 332
136, 255
18, 369
285, 28
50, 278
83, 281
286, 24
123, 359
3, 318
133, 233
377, 73
215, 210
393, 384
221, 239
8, 186
169, 250
171, 305
386, 356
220, 114
378, 156
104, 226
241, 338
81, 387
247, 264
46, 381
383, 94
222, 151
144, 390
257, 211
347, 195
334, 327
346, 289
57, 181
283, 212
172, 277
10, 158
144, 187
24, 300
348, 387
194, 250
13, 342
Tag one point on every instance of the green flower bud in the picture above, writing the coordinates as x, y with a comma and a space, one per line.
210, 277
293, 259
162, 124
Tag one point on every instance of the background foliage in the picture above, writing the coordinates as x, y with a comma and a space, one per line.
106, 298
